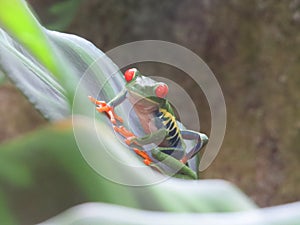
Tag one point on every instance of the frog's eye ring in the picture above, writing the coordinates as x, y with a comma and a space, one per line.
130, 74
161, 91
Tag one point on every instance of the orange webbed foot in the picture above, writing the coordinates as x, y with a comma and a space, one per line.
144, 155
96, 102
129, 136
124, 132
102, 106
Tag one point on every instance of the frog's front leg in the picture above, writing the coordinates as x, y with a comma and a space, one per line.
201, 140
108, 108
154, 137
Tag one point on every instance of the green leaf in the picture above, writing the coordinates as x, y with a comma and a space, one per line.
97, 214
32, 79
6, 215
56, 145
15, 172
51, 88
17, 19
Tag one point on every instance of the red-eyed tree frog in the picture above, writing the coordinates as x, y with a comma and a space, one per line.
158, 121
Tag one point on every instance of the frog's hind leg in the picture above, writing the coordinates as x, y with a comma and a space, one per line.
201, 140
148, 161
177, 166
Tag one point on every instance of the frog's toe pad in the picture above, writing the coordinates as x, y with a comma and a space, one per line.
123, 131
131, 140
97, 102
144, 155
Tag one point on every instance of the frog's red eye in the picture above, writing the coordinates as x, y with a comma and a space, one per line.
129, 74
161, 91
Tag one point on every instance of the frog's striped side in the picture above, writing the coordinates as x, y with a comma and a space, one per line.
168, 120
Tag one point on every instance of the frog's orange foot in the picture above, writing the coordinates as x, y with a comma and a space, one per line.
130, 137
144, 155
95, 101
124, 132
102, 106
131, 140
111, 113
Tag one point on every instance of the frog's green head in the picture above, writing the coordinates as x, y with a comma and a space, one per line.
143, 86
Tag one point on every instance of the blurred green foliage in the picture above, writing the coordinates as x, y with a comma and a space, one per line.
29, 33
44, 173
49, 164
55, 14
2, 77
63, 12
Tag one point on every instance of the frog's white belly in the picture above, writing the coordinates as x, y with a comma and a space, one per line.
145, 112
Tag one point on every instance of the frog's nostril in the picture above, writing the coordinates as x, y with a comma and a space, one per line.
161, 91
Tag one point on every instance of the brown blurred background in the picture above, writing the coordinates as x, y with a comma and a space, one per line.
253, 48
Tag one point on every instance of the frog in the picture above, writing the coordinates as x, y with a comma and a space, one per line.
158, 121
